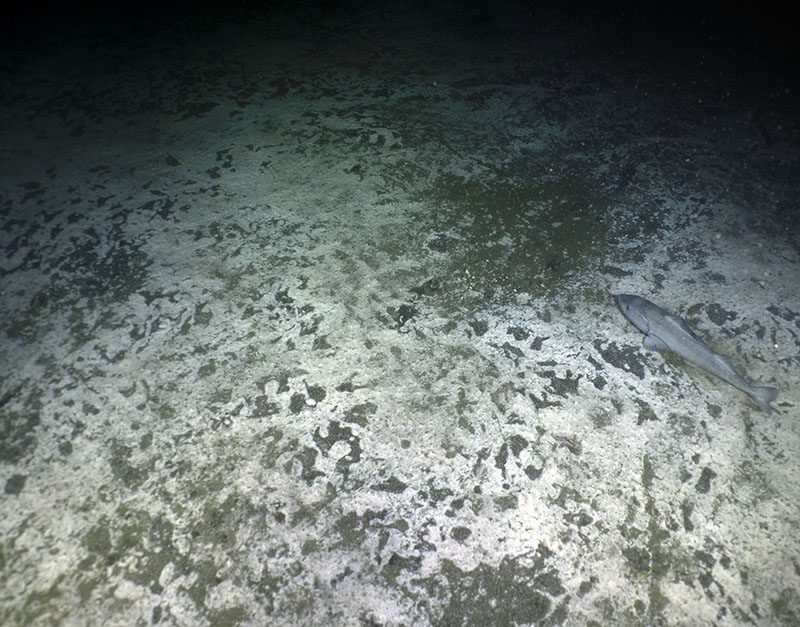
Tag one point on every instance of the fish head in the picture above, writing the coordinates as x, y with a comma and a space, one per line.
635, 310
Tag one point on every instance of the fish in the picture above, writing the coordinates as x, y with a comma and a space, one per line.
665, 332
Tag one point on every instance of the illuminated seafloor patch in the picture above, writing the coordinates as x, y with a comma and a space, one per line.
293, 335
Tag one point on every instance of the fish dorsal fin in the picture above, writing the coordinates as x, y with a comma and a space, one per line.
655, 343
726, 361
681, 324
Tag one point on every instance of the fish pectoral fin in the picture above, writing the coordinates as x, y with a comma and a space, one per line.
655, 343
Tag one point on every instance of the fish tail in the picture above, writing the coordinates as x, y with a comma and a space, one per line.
763, 397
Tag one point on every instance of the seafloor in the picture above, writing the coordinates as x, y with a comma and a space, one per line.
309, 321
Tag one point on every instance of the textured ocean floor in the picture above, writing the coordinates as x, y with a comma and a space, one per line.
312, 323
